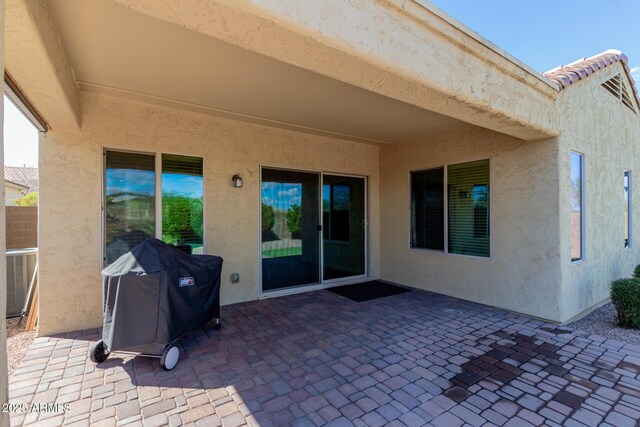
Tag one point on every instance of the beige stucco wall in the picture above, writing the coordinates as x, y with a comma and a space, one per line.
598, 125
70, 217
523, 272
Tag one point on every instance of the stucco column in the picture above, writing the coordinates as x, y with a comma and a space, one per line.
4, 418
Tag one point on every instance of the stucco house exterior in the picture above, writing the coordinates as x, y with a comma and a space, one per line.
13, 191
430, 157
18, 182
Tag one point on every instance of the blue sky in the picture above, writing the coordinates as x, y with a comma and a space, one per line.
143, 182
281, 195
130, 181
187, 185
544, 34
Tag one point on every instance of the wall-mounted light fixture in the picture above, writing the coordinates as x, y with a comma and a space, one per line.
237, 180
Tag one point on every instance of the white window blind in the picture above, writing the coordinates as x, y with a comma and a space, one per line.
468, 208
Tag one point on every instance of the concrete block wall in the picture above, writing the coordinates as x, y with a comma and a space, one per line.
22, 227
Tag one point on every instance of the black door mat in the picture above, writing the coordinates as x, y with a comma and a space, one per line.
366, 291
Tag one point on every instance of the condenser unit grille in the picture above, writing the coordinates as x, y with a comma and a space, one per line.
20, 267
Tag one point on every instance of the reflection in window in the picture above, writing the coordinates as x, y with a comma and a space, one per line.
281, 219
130, 201
336, 199
627, 208
576, 198
182, 198
427, 209
480, 211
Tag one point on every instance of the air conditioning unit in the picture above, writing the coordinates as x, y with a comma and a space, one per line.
20, 266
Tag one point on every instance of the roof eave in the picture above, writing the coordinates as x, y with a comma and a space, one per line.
566, 75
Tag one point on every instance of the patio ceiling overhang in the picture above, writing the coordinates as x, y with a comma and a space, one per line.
34, 57
310, 68
120, 52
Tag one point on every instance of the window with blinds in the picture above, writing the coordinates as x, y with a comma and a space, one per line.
468, 208
129, 208
427, 209
182, 200
130, 201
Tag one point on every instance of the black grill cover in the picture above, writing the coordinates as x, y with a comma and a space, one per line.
156, 293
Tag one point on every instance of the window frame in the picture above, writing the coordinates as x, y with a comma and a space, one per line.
583, 204
157, 194
629, 202
445, 183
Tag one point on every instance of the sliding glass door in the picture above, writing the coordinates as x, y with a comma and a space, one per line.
344, 226
298, 214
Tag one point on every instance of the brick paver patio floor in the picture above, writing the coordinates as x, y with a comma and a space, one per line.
318, 358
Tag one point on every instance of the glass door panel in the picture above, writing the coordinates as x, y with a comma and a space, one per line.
344, 223
290, 238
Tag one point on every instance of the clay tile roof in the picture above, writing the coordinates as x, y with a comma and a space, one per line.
16, 184
26, 177
566, 75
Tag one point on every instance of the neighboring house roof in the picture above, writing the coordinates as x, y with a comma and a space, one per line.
23, 176
15, 184
566, 75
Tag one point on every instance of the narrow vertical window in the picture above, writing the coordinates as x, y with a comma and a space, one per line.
577, 206
427, 209
129, 206
627, 208
182, 198
468, 208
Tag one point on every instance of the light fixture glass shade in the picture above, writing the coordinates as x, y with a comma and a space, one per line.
237, 181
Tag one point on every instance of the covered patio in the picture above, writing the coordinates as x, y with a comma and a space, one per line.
242, 97
402, 134
321, 359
